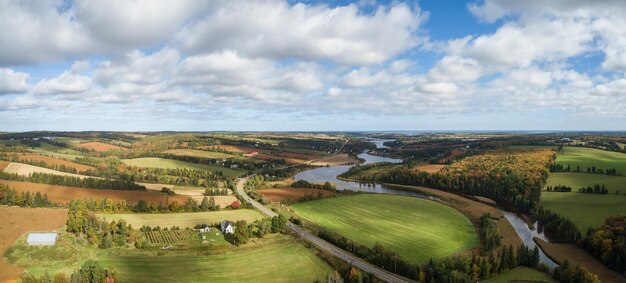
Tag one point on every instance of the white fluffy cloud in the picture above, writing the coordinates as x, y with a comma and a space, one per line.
12, 82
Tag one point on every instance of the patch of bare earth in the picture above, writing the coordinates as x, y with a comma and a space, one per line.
27, 169
15, 221
339, 159
99, 146
429, 168
63, 194
578, 257
3, 165
277, 195
54, 161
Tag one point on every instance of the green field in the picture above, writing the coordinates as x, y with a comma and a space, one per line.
173, 164
279, 258
579, 180
587, 157
521, 274
281, 262
201, 153
183, 220
586, 210
56, 151
417, 229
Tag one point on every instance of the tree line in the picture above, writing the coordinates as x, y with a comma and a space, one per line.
489, 233
11, 197
592, 169
90, 272
327, 186
607, 243
71, 181
559, 228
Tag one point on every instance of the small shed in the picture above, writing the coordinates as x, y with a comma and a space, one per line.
42, 239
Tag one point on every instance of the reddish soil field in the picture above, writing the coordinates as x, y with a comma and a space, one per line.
54, 161
3, 165
16, 221
66, 194
277, 195
429, 168
99, 146
265, 154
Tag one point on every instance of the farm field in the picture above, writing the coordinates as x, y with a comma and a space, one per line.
173, 164
16, 221
4, 164
585, 210
277, 195
56, 151
55, 161
429, 168
579, 180
200, 153
184, 220
27, 169
99, 146
340, 159
65, 194
521, 274
411, 227
587, 157
280, 262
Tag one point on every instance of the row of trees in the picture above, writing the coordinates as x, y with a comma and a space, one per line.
216, 192
70, 181
90, 272
559, 228
592, 169
24, 199
596, 189
259, 228
511, 176
558, 188
327, 186
16, 158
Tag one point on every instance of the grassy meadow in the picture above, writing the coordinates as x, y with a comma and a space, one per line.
417, 229
579, 180
201, 153
587, 157
189, 219
276, 259
521, 274
155, 162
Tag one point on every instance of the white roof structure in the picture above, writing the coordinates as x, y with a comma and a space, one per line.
42, 239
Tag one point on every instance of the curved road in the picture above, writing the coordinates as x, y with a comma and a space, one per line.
363, 265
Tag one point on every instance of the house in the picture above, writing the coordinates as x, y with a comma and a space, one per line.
227, 227
42, 239
204, 228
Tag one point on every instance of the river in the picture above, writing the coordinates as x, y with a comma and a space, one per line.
329, 174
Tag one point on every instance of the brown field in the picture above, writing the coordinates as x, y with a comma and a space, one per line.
229, 148
64, 194
340, 159
429, 168
27, 169
277, 195
3, 165
577, 256
99, 146
54, 161
265, 154
16, 221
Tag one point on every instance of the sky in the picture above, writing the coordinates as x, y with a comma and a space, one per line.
190, 65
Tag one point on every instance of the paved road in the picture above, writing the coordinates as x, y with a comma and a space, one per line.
363, 265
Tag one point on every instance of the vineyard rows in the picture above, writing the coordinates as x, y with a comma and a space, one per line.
169, 237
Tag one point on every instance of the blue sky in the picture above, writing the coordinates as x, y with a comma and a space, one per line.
312, 66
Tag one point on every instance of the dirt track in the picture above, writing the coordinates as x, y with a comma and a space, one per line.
15, 221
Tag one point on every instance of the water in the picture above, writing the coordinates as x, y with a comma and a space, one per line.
527, 235
329, 174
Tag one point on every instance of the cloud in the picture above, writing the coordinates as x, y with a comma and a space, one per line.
274, 29
12, 82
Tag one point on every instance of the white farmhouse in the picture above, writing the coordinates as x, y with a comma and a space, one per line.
227, 227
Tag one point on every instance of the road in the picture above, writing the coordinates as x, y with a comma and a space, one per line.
361, 264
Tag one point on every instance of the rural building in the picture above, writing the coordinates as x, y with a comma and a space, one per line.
42, 239
204, 228
227, 227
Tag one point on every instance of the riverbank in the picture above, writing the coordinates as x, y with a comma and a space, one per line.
578, 257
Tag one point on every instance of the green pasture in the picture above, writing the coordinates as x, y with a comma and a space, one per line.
588, 157
173, 164
417, 229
